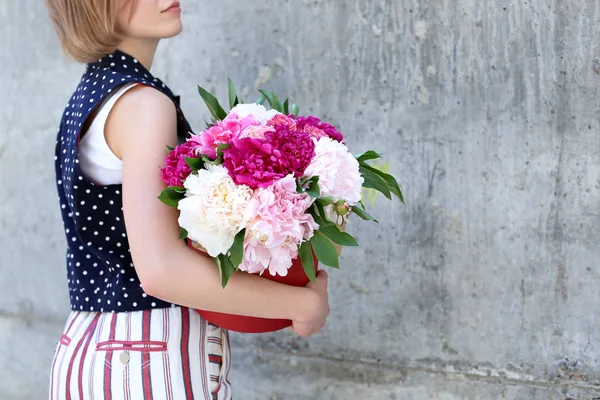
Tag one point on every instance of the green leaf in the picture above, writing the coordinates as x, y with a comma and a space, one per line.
326, 200
315, 214
313, 189
179, 189
170, 148
213, 104
175, 192
196, 163
233, 97
308, 263
236, 252
393, 185
206, 159
321, 212
295, 110
183, 234
389, 179
220, 149
261, 100
226, 268
367, 155
168, 201
272, 99
325, 250
363, 214
286, 107
337, 236
374, 181
170, 196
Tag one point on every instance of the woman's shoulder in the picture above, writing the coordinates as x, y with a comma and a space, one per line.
97, 84
143, 113
144, 101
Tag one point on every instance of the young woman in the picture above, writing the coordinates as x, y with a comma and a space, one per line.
133, 332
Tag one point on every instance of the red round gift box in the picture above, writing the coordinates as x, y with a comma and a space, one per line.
295, 277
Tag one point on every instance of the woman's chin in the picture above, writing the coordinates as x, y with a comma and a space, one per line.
174, 31
168, 31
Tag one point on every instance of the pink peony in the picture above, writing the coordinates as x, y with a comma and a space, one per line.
176, 169
282, 119
260, 162
338, 171
317, 128
222, 132
276, 224
257, 132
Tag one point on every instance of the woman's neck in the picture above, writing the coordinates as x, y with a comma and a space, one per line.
141, 49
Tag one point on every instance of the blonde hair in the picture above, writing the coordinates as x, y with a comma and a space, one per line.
87, 29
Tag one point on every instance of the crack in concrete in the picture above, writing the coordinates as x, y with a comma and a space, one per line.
30, 319
490, 375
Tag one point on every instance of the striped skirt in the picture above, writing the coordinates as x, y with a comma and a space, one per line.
156, 354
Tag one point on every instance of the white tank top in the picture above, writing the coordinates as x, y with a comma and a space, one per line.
97, 161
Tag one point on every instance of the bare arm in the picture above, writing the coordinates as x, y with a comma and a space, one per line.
139, 128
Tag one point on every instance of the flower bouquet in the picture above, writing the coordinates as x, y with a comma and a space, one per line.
266, 192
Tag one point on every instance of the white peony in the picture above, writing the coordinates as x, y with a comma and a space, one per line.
256, 110
337, 169
212, 211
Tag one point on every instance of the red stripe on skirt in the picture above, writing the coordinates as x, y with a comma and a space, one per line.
222, 372
90, 335
91, 379
108, 360
60, 345
185, 355
72, 322
216, 359
146, 380
70, 369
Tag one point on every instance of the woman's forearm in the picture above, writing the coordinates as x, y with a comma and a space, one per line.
191, 279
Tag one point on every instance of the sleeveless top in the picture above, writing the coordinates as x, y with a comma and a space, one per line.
96, 159
100, 271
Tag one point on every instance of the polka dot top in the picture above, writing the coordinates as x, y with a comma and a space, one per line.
100, 272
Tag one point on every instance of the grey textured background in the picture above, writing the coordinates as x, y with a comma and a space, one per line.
483, 286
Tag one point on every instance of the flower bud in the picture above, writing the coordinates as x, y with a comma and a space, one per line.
342, 208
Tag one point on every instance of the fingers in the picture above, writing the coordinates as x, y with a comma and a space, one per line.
322, 277
305, 330
322, 274
301, 332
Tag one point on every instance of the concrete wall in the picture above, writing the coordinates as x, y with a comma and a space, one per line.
483, 286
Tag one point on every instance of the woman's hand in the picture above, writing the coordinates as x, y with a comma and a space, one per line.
313, 318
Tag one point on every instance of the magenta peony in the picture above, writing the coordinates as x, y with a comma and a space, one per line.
176, 169
260, 162
317, 128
